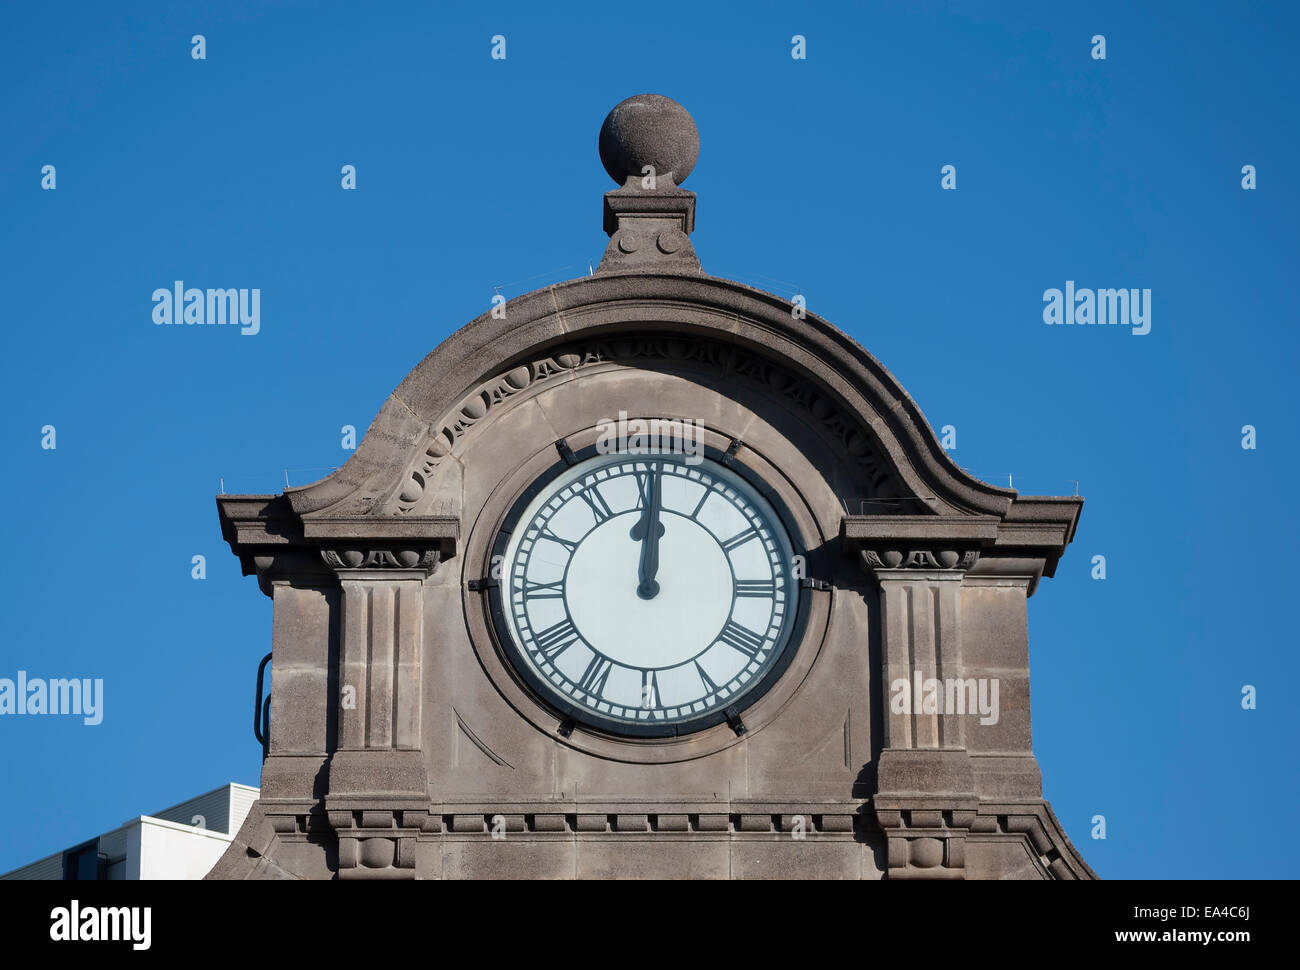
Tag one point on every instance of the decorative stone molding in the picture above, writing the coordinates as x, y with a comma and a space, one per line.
925, 843
379, 844
307, 823
1024, 545
924, 838
918, 542
1036, 826
932, 837
849, 436
433, 821
922, 558
279, 546
360, 557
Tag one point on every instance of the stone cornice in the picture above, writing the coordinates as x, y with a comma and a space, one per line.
925, 837
274, 543
865, 530
1027, 541
258, 520
1043, 523
444, 529
944, 543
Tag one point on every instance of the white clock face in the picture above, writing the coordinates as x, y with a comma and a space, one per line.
644, 593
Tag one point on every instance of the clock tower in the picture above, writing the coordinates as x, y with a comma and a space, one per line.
649, 575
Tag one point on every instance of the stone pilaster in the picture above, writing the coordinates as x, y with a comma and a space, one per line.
925, 741
920, 611
926, 798
378, 788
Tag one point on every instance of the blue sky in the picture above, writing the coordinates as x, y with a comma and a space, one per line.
819, 176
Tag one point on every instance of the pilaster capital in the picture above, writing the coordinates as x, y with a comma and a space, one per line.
382, 560
898, 546
880, 561
385, 545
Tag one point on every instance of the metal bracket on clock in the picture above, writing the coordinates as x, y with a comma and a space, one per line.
478, 585
809, 583
733, 719
730, 453
566, 452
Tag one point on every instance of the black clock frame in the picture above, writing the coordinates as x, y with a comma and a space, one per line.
574, 715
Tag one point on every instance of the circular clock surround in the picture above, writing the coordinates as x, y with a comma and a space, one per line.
718, 623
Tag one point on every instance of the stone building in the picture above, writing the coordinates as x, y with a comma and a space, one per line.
650, 574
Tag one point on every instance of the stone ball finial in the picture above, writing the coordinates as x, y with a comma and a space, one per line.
649, 129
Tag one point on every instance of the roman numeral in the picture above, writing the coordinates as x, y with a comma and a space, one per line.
594, 677
766, 588
649, 689
745, 640
709, 686
554, 639
596, 502
543, 591
739, 539
700, 504
548, 534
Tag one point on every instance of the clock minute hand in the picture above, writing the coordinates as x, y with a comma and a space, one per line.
648, 530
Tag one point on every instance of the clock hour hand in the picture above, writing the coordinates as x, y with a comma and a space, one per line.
648, 530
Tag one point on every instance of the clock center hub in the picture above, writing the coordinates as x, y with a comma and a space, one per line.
673, 626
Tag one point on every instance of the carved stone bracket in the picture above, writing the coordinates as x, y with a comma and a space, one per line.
422, 559
379, 844
928, 838
926, 842
918, 542
925, 557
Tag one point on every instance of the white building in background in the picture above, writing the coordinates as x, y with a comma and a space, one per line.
181, 842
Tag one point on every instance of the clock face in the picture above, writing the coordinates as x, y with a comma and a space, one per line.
648, 594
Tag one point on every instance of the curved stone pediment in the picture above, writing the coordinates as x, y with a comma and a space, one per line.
736, 332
